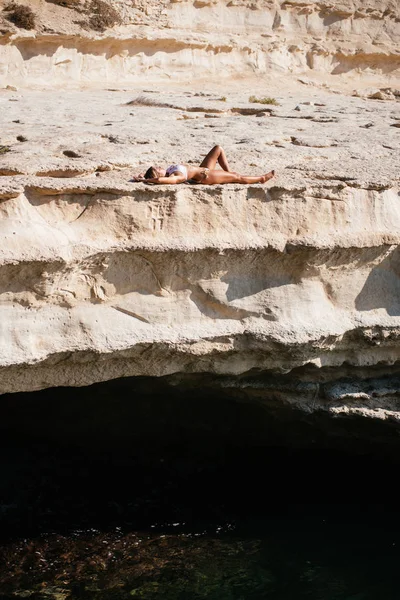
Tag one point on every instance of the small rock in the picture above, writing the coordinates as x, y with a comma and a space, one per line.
393, 91
311, 142
12, 88
381, 95
22, 138
114, 139
326, 119
297, 108
367, 125
71, 154
308, 103
305, 81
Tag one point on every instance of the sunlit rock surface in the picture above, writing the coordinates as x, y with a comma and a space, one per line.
163, 39
299, 279
102, 278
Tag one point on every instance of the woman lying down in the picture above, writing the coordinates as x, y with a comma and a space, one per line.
206, 173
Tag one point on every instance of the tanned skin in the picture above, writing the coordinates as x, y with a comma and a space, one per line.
206, 173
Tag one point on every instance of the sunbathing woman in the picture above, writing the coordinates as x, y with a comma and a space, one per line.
206, 173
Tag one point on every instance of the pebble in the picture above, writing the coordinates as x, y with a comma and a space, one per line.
71, 154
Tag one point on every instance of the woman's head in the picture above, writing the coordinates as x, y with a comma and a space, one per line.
150, 173
153, 172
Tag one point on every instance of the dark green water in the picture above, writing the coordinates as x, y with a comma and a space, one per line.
272, 558
96, 530
197, 513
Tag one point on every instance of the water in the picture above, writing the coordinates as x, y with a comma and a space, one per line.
293, 558
89, 529
95, 511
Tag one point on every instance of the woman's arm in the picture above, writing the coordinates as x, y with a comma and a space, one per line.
166, 180
161, 180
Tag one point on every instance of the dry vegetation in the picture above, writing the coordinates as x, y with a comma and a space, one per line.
22, 16
145, 101
66, 3
102, 15
267, 100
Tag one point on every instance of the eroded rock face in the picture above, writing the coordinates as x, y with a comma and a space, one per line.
116, 282
180, 40
290, 291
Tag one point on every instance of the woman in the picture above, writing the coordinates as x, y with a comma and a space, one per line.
206, 173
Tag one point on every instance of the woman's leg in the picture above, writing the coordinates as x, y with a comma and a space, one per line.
216, 176
217, 154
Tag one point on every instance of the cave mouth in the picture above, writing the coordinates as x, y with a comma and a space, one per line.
186, 487
190, 449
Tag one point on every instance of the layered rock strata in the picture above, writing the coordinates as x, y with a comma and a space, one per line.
112, 281
181, 40
287, 293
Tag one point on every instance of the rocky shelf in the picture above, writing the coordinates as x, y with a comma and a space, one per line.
292, 288
100, 281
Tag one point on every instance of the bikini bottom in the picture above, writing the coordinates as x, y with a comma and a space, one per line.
203, 175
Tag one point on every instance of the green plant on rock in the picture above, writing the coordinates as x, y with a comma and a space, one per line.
266, 100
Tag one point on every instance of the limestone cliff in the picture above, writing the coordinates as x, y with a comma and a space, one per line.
291, 288
80, 43
296, 283
103, 282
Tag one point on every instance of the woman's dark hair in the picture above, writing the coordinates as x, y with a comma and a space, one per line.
150, 173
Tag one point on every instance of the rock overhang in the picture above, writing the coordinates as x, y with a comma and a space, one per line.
105, 281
